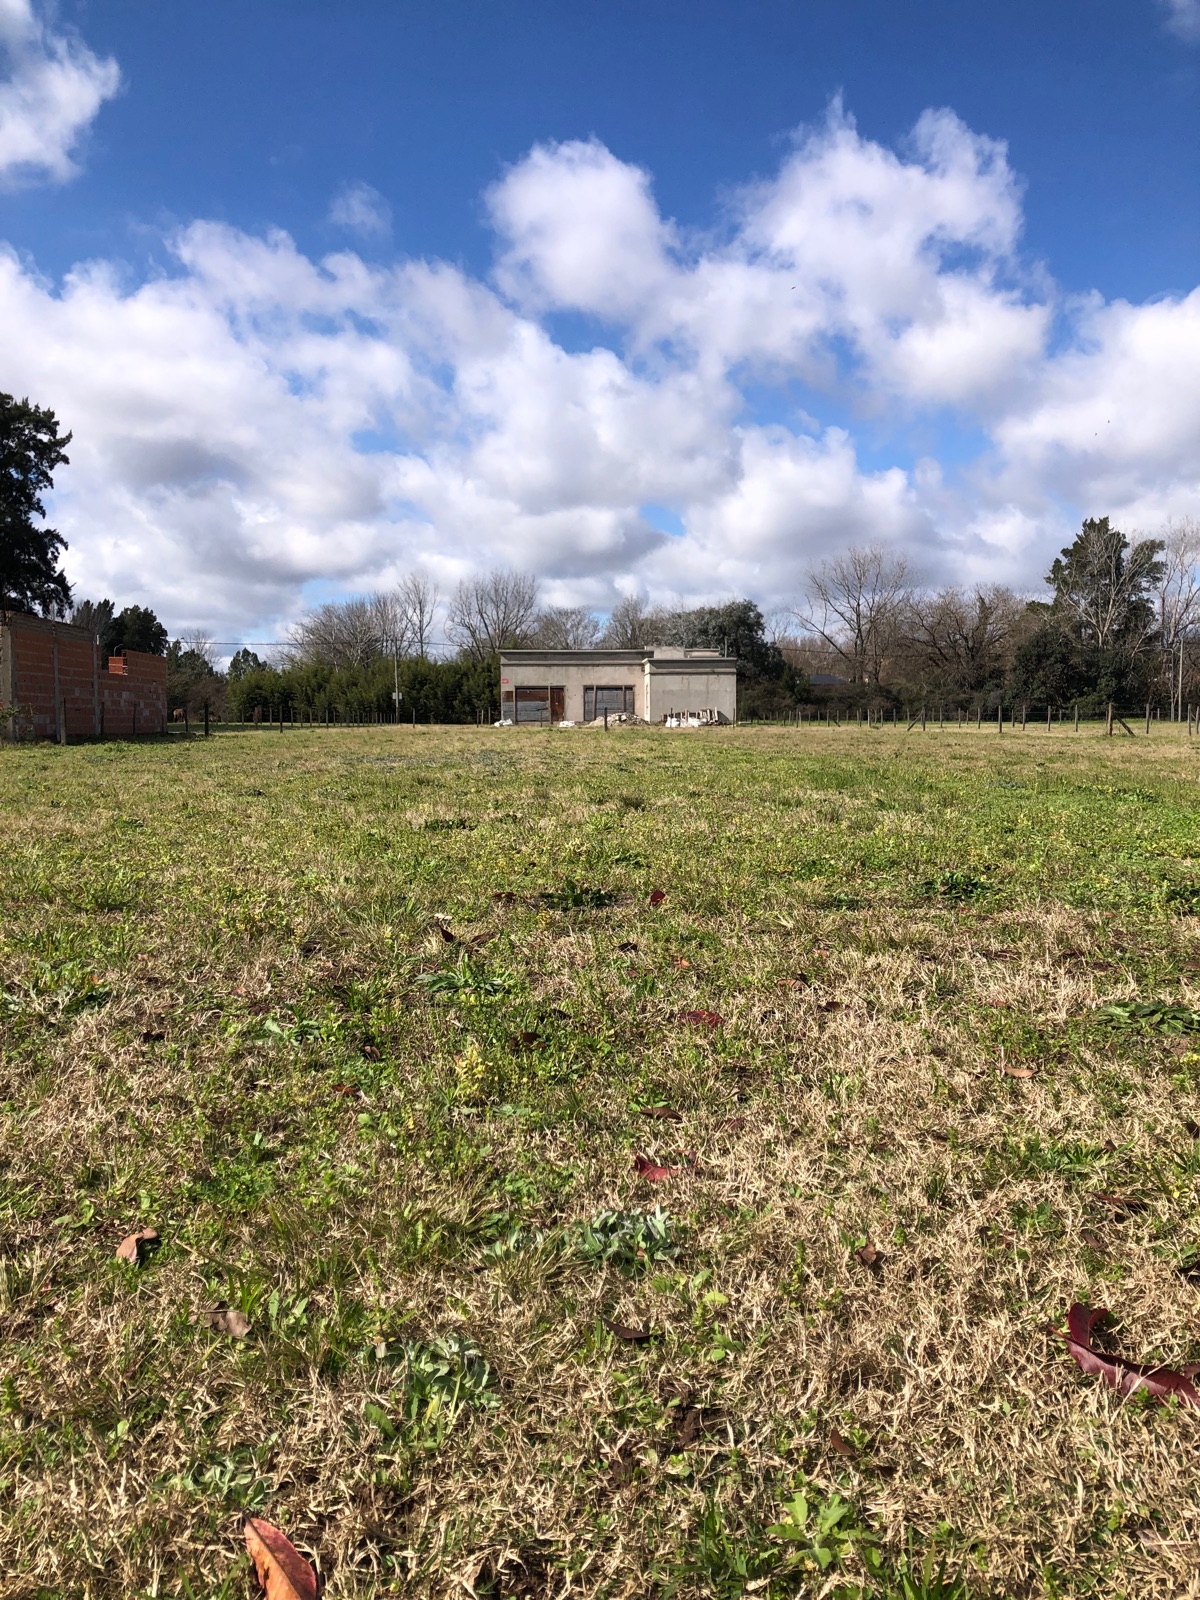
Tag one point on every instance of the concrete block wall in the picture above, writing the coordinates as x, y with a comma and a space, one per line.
51, 670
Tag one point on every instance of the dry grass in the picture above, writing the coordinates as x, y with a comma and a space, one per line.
217, 1022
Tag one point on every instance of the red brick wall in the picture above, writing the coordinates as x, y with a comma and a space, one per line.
94, 698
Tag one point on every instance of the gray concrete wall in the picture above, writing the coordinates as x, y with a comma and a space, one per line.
663, 680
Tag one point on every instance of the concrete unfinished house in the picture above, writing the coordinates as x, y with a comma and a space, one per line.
56, 684
666, 685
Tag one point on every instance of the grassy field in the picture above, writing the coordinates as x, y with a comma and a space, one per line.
376, 1029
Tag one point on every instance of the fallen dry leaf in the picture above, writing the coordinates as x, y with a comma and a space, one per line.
1092, 1239
732, 1124
836, 1442
627, 946
1192, 1127
282, 1571
223, 1320
702, 1019
869, 1256
135, 1247
651, 1171
831, 1005
663, 1113
1121, 1205
370, 1052
153, 1036
680, 961
449, 937
1020, 1072
622, 1330
657, 896
1116, 1371
351, 1091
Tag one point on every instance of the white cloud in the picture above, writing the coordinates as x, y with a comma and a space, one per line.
256, 421
53, 89
1183, 17
362, 210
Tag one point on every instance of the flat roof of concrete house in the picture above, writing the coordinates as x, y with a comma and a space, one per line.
672, 655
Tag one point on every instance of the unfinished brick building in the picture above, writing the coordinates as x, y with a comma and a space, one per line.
56, 684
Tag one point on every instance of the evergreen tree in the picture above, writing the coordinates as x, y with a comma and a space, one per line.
30, 450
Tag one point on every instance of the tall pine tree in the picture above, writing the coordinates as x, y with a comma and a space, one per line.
30, 450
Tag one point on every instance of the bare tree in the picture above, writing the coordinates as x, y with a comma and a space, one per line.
418, 597
494, 611
855, 602
351, 633
200, 643
1178, 600
565, 628
634, 626
962, 640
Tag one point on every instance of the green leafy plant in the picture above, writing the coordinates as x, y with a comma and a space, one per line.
956, 887
576, 897
464, 980
629, 1240
820, 1533
1151, 1016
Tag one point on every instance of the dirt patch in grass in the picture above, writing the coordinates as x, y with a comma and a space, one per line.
372, 1027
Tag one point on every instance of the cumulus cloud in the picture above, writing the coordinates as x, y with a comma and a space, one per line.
255, 421
362, 210
1183, 17
52, 88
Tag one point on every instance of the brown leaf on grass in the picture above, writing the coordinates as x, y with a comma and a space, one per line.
1019, 1072
702, 1019
527, 1039
622, 1330
1125, 1376
371, 1052
680, 961
831, 1005
224, 1320
663, 1113
732, 1124
651, 1171
627, 946
840, 1445
350, 1091
282, 1571
1092, 1240
869, 1256
657, 896
448, 937
135, 1247
1155, 1541
1192, 1127
505, 897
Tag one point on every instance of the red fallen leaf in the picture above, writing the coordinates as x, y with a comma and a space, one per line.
651, 1171
527, 1039
350, 1090
449, 937
702, 1019
836, 1442
663, 1113
621, 1330
282, 1571
1116, 1371
136, 1246
657, 896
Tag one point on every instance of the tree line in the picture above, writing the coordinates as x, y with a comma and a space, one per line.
1119, 623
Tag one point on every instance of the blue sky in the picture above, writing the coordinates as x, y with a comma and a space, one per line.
493, 384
